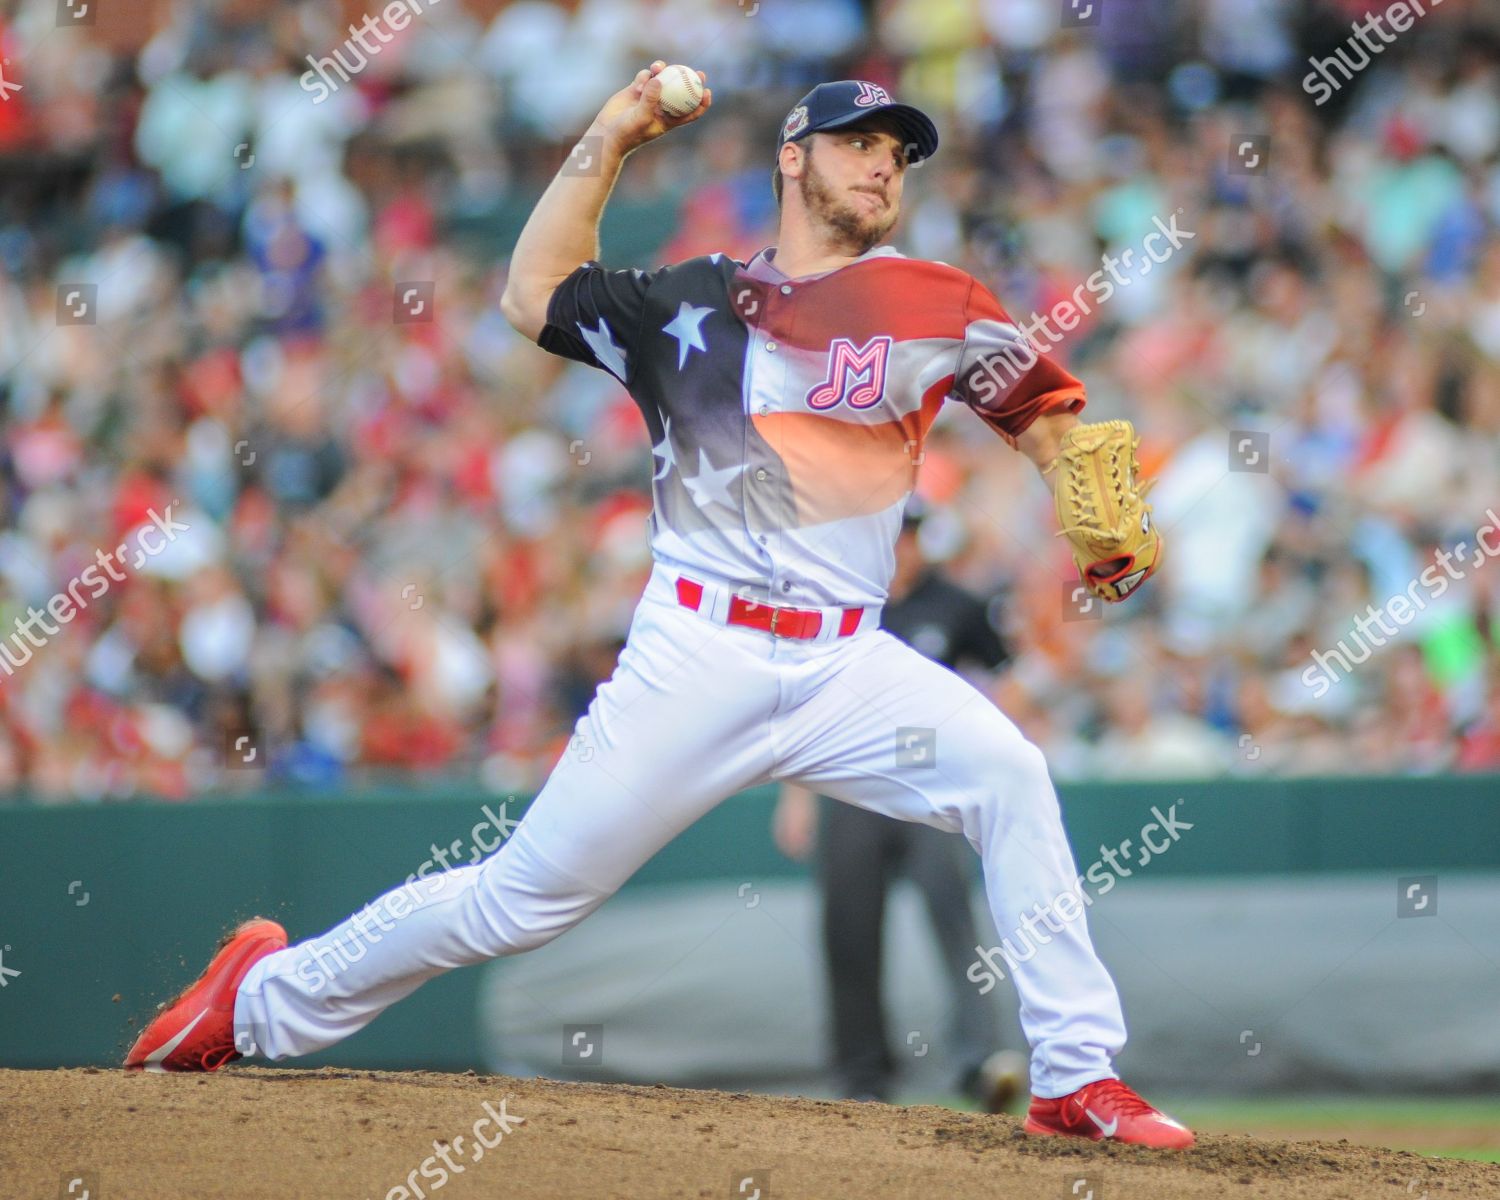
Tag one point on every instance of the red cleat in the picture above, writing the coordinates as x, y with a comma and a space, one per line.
1107, 1109
195, 1032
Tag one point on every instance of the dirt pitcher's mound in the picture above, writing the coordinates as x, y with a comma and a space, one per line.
356, 1135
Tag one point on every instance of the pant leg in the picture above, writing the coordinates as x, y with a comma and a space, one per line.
938, 863
649, 758
878, 725
854, 862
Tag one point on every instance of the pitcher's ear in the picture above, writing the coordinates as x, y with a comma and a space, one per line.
795, 163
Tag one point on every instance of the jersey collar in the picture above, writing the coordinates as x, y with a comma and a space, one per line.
763, 266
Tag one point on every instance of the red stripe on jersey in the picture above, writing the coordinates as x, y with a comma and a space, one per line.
1045, 388
840, 469
898, 298
1012, 424
983, 306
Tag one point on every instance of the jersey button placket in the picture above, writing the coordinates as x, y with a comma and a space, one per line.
787, 296
765, 480
756, 365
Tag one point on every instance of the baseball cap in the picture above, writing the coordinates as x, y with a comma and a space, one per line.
849, 101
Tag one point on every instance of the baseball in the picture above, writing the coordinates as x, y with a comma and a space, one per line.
681, 91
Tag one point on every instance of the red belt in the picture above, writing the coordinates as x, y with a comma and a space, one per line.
780, 622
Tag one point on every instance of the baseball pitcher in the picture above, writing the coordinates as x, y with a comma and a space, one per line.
787, 400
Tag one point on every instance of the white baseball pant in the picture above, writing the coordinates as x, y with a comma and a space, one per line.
695, 712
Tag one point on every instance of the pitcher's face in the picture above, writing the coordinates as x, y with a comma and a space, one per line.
851, 183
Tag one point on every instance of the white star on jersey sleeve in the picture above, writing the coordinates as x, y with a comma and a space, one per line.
710, 485
687, 328
602, 342
663, 450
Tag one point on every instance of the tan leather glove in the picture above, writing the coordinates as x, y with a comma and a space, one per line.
1101, 505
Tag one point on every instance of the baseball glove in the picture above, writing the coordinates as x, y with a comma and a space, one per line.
1101, 505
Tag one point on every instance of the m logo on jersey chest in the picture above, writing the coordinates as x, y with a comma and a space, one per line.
856, 374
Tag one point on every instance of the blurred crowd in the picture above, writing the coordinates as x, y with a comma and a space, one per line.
408, 541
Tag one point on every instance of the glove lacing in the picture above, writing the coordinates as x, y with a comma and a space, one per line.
1083, 499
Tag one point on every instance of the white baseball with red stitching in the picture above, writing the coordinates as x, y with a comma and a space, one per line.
681, 91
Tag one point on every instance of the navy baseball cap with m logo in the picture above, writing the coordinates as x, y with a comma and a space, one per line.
850, 101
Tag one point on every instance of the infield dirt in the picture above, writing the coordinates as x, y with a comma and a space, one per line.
251, 1133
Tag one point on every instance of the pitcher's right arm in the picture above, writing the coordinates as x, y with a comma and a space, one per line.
562, 232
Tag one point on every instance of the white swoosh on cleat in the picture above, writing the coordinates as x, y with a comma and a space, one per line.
157, 1057
1107, 1128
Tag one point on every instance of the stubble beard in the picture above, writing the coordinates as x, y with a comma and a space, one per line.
858, 232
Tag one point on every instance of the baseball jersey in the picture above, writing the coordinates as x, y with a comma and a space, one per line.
787, 416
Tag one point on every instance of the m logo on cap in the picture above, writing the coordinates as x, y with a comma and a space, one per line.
871, 94
796, 122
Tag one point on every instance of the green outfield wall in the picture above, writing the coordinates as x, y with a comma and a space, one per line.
103, 910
